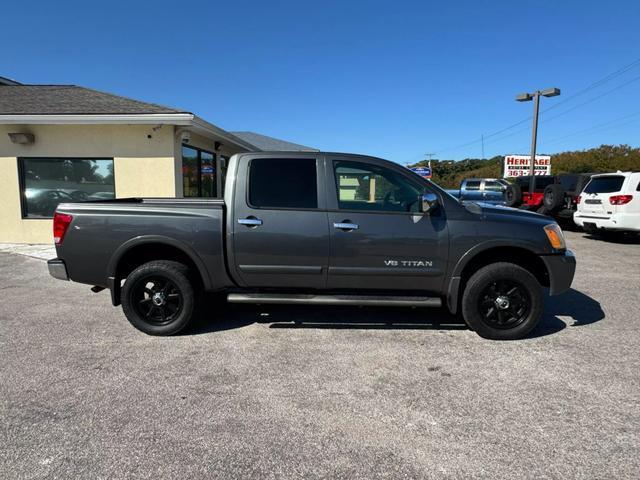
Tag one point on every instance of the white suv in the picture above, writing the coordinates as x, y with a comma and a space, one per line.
610, 201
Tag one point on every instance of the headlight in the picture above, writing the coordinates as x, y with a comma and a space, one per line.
555, 236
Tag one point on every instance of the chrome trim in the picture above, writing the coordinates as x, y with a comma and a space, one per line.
251, 222
346, 226
365, 300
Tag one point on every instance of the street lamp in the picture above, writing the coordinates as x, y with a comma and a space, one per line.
535, 96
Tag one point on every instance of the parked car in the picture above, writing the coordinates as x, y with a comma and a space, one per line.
555, 195
320, 229
610, 203
43, 201
489, 190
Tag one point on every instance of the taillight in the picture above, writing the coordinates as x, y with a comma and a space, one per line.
620, 199
61, 223
578, 198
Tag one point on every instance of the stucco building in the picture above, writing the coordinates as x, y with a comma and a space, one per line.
68, 143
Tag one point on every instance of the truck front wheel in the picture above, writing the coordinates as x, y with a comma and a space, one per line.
502, 301
158, 297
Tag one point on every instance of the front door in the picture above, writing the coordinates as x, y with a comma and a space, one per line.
280, 231
379, 237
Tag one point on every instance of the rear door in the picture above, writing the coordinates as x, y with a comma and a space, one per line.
280, 231
595, 197
379, 239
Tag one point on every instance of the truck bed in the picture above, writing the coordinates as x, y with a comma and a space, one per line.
103, 230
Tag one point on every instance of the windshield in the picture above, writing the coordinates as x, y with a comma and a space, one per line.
608, 184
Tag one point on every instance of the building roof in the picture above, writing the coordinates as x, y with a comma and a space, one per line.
265, 143
71, 100
7, 81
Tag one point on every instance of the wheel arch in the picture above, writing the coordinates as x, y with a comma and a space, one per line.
485, 255
140, 250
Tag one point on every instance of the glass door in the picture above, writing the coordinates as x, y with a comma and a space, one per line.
198, 172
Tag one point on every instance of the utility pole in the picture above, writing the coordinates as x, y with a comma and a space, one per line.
482, 139
535, 96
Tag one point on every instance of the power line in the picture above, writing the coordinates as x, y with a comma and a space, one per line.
597, 127
635, 79
545, 120
597, 83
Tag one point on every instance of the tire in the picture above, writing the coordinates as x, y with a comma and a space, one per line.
513, 195
553, 197
158, 297
542, 210
484, 307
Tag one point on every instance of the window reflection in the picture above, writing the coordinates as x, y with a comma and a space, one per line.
198, 172
46, 182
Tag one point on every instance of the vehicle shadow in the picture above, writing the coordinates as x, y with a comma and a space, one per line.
583, 309
623, 239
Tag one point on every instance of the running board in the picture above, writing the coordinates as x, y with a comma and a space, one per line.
363, 300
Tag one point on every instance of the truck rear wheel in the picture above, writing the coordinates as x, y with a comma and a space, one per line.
158, 297
502, 301
513, 195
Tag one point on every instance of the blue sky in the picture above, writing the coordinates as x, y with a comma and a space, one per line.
389, 78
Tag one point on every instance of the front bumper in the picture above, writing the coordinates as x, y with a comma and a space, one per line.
57, 269
561, 270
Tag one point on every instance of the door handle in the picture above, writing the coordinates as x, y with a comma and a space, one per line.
345, 226
250, 221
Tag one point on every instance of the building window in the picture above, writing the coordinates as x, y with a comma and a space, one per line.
198, 172
46, 182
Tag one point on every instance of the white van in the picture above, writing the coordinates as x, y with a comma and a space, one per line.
610, 201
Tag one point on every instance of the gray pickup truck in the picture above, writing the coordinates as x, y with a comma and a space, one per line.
487, 190
315, 228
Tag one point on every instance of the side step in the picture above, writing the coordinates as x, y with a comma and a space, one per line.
364, 300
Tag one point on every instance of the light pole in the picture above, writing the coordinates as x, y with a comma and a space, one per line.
535, 96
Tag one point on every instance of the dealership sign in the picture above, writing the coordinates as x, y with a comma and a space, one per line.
519, 165
424, 172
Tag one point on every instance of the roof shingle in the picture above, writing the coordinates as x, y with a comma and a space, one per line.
71, 100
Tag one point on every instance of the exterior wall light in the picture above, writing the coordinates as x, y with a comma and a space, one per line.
22, 138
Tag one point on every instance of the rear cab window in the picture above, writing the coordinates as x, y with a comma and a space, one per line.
472, 185
606, 184
287, 183
569, 182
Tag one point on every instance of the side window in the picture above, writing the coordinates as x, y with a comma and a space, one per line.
283, 183
638, 188
362, 186
472, 185
492, 186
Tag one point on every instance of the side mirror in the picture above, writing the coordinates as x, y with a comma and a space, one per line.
428, 202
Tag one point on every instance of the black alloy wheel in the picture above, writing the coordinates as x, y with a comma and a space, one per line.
157, 299
504, 304
502, 301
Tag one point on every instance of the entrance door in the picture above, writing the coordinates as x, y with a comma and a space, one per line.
281, 236
379, 238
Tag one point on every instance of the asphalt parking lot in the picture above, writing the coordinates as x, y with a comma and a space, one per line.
347, 393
